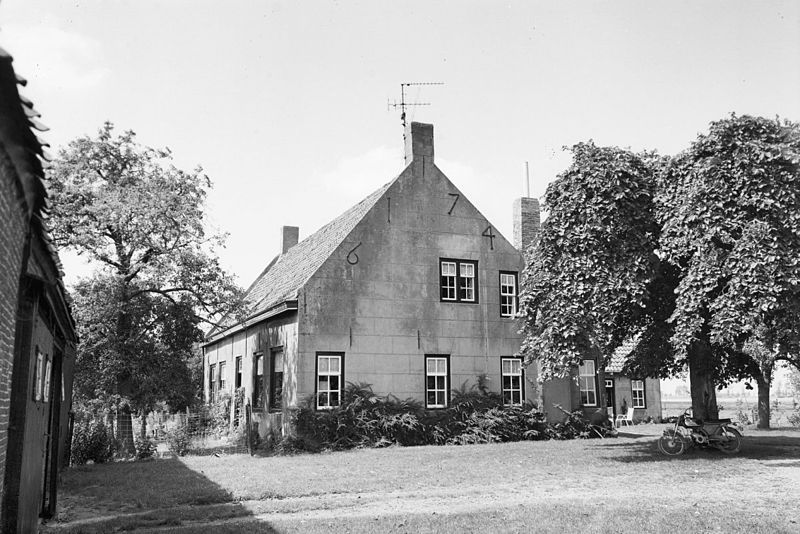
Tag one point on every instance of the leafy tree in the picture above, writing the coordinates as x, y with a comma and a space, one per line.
699, 256
588, 284
729, 207
140, 221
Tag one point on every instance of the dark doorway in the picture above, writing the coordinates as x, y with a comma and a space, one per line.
610, 399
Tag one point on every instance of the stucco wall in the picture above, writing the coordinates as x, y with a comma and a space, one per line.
261, 337
384, 311
652, 395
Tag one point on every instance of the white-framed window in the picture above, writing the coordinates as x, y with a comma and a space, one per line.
511, 374
222, 373
436, 381
508, 294
458, 280
448, 280
588, 383
637, 394
329, 380
466, 282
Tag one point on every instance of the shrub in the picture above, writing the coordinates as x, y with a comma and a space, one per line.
91, 441
179, 440
364, 419
145, 448
794, 416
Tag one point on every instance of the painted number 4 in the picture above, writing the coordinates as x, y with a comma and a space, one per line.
490, 234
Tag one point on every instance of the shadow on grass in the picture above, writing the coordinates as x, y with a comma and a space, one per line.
151, 494
753, 447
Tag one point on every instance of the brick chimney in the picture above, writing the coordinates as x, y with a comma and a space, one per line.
289, 236
526, 222
418, 139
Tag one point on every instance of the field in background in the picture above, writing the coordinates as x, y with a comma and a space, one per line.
611, 485
730, 407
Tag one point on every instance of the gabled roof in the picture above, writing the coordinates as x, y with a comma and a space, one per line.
620, 355
288, 273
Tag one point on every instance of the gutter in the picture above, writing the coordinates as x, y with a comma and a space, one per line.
278, 309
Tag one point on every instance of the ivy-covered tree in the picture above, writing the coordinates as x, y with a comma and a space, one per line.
729, 208
140, 221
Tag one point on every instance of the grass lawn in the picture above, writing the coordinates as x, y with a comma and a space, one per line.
612, 485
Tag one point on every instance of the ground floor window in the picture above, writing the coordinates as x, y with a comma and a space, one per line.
436, 381
222, 382
276, 381
587, 382
637, 393
212, 382
237, 381
511, 371
329, 380
258, 381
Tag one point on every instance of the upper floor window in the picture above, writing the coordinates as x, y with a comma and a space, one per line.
511, 371
588, 385
329, 380
458, 280
637, 394
508, 294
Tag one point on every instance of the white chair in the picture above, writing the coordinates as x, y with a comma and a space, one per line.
624, 418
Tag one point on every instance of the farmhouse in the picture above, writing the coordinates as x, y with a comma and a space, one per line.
37, 333
411, 290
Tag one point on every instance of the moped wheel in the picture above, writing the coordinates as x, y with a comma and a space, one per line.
671, 444
730, 441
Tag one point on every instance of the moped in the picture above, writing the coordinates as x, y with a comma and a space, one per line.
689, 432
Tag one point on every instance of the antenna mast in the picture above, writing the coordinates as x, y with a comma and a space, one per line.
403, 104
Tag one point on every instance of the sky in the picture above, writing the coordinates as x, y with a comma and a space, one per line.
284, 104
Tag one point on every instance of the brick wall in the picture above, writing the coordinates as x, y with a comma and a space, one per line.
12, 235
526, 222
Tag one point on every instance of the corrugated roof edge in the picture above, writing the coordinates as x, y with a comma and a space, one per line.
29, 159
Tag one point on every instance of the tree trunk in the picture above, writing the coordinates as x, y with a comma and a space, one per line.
763, 403
704, 394
143, 431
125, 432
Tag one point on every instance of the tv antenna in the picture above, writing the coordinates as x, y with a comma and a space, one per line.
403, 104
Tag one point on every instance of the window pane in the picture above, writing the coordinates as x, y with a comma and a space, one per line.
506, 366
324, 367
440, 382
323, 383
322, 399
334, 364
448, 268
516, 366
